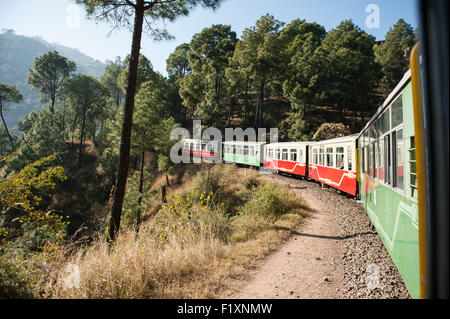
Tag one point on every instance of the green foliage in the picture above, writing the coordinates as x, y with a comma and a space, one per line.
136, 202
21, 189
178, 63
265, 206
49, 74
394, 53
299, 128
14, 282
145, 72
39, 229
8, 94
118, 13
44, 136
350, 72
110, 80
192, 213
204, 90
256, 63
331, 130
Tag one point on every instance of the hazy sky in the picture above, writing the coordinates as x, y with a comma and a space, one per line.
62, 22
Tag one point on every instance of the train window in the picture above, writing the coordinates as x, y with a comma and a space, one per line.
381, 160
252, 151
363, 159
285, 154
198, 146
321, 157
398, 143
293, 155
192, 146
369, 159
374, 158
209, 148
270, 153
397, 112
385, 120
246, 150
387, 159
330, 155
233, 149
412, 168
277, 154
315, 157
349, 158
340, 157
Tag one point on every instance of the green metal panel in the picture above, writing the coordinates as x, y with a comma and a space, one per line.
394, 212
242, 159
395, 219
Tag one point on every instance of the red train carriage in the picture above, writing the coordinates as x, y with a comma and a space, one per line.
333, 162
287, 157
207, 150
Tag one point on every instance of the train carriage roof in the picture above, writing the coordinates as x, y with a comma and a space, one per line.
244, 143
349, 138
288, 144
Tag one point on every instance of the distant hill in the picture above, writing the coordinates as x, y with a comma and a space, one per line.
17, 54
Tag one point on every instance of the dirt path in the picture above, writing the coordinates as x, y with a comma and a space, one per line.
308, 265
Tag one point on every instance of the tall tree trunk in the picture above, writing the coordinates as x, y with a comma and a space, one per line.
83, 126
6, 127
125, 144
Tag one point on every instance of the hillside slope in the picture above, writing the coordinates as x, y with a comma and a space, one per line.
17, 54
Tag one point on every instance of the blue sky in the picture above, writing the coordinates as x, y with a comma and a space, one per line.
62, 22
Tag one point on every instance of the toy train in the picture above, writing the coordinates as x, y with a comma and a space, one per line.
381, 166
377, 165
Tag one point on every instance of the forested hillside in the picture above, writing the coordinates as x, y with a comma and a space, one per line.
17, 54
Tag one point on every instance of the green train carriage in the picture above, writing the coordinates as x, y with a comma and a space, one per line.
245, 153
388, 180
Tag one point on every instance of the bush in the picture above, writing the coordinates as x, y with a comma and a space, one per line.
331, 130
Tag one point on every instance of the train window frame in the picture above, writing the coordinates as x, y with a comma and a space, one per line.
350, 158
251, 151
394, 159
330, 157
321, 156
340, 158
277, 154
245, 150
315, 156
285, 154
293, 155
270, 155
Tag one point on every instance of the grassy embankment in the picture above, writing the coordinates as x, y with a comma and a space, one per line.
202, 242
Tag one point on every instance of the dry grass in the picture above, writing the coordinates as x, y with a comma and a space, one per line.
202, 243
